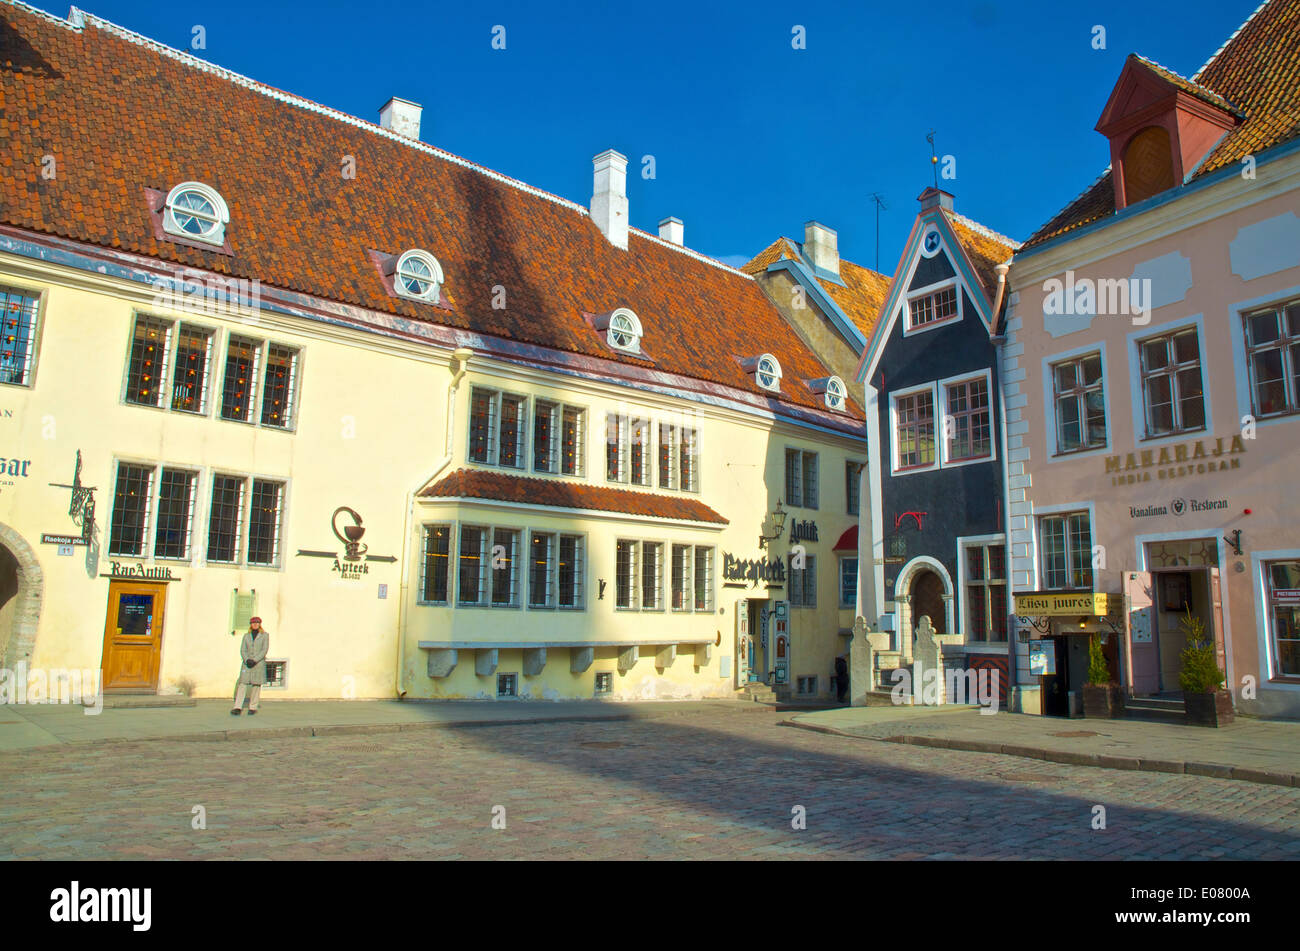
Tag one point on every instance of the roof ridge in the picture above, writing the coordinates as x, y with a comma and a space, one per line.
985, 230
1198, 86
1070, 204
77, 18
1245, 23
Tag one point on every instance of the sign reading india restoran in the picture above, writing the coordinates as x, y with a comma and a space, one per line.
1054, 605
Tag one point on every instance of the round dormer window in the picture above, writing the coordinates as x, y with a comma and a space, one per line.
835, 393
418, 276
193, 210
769, 372
624, 331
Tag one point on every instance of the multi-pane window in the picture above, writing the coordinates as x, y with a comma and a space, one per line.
1080, 404
853, 486
625, 577
18, 313
1066, 542
505, 577
627, 449
175, 526
146, 369
1284, 616
703, 578
435, 567
569, 572
968, 409
678, 457
190, 373
801, 478
652, 576
132, 500
471, 573
557, 438
681, 578
496, 428
688, 465
541, 557
986, 593
238, 388
914, 430
803, 582
1273, 352
932, 308
1171, 383
277, 387
848, 582
225, 518
264, 516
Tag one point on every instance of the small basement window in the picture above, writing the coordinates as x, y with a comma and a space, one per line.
507, 685
806, 686
196, 211
604, 683
418, 275
277, 673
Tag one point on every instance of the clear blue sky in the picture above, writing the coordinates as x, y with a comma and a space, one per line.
751, 137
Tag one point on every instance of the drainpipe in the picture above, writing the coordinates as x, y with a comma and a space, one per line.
460, 358
999, 340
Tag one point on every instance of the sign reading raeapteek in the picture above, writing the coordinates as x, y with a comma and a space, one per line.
752, 570
1054, 605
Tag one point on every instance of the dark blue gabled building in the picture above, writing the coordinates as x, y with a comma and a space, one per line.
936, 524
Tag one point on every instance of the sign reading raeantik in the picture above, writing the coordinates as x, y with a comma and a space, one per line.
140, 572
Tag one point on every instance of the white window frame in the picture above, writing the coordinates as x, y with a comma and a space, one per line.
687, 578
803, 501
843, 563
622, 321
557, 410
483, 583
768, 366
1243, 375
523, 443
1137, 383
910, 328
944, 415
936, 420
28, 368
431, 294
1041, 549
852, 484
452, 562
634, 570
965, 545
836, 395
220, 218
1051, 422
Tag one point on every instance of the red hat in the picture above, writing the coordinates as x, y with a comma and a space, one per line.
254, 620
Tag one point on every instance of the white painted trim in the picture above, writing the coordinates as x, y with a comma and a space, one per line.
1036, 547
963, 542
873, 500
1137, 395
954, 282
1240, 365
565, 510
942, 454
1264, 642
894, 397
904, 580
1049, 401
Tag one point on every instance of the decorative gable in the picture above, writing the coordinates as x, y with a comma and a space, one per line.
1160, 127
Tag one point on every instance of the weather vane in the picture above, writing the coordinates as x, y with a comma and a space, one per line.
934, 158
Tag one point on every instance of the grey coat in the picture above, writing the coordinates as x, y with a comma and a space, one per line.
254, 648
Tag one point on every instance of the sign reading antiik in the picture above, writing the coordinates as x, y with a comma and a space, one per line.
1183, 461
805, 531
752, 570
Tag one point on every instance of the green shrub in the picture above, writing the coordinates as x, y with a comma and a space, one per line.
1098, 669
1201, 672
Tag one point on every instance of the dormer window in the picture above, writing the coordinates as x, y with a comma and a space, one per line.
624, 331
768, 373
1148, 164
835, 394
418, 275
195, 211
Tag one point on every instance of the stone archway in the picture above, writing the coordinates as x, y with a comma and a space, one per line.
22, 591
926, 598
925, 576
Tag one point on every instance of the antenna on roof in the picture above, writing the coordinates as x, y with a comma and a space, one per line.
934, 158
880, 205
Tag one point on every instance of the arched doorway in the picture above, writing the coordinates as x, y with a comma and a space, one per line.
927, 599
22, 586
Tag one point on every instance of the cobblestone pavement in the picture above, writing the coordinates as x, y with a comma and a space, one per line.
709, 785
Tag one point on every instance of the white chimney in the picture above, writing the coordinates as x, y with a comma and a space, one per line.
821, 245
609, 197
672, 229
401, 116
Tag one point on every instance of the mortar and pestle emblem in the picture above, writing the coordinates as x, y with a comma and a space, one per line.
351, 534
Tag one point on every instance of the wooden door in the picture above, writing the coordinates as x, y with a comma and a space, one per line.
1140, 644
133, 633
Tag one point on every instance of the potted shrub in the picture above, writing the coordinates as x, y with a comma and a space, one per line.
1102, 697
1205, 702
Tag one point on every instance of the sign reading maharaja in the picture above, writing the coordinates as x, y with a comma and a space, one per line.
1185, 459
1056, 605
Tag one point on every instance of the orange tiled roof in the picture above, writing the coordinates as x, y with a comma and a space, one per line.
504, 487
860, 296
122, 114
984, 247
1256, 74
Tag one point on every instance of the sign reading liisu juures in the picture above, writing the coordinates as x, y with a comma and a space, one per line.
1053, 605
1185, 459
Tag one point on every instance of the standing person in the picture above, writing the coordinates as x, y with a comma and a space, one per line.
252, 649
841, 678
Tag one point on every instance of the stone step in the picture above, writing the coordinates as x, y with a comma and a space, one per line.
1150, 708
